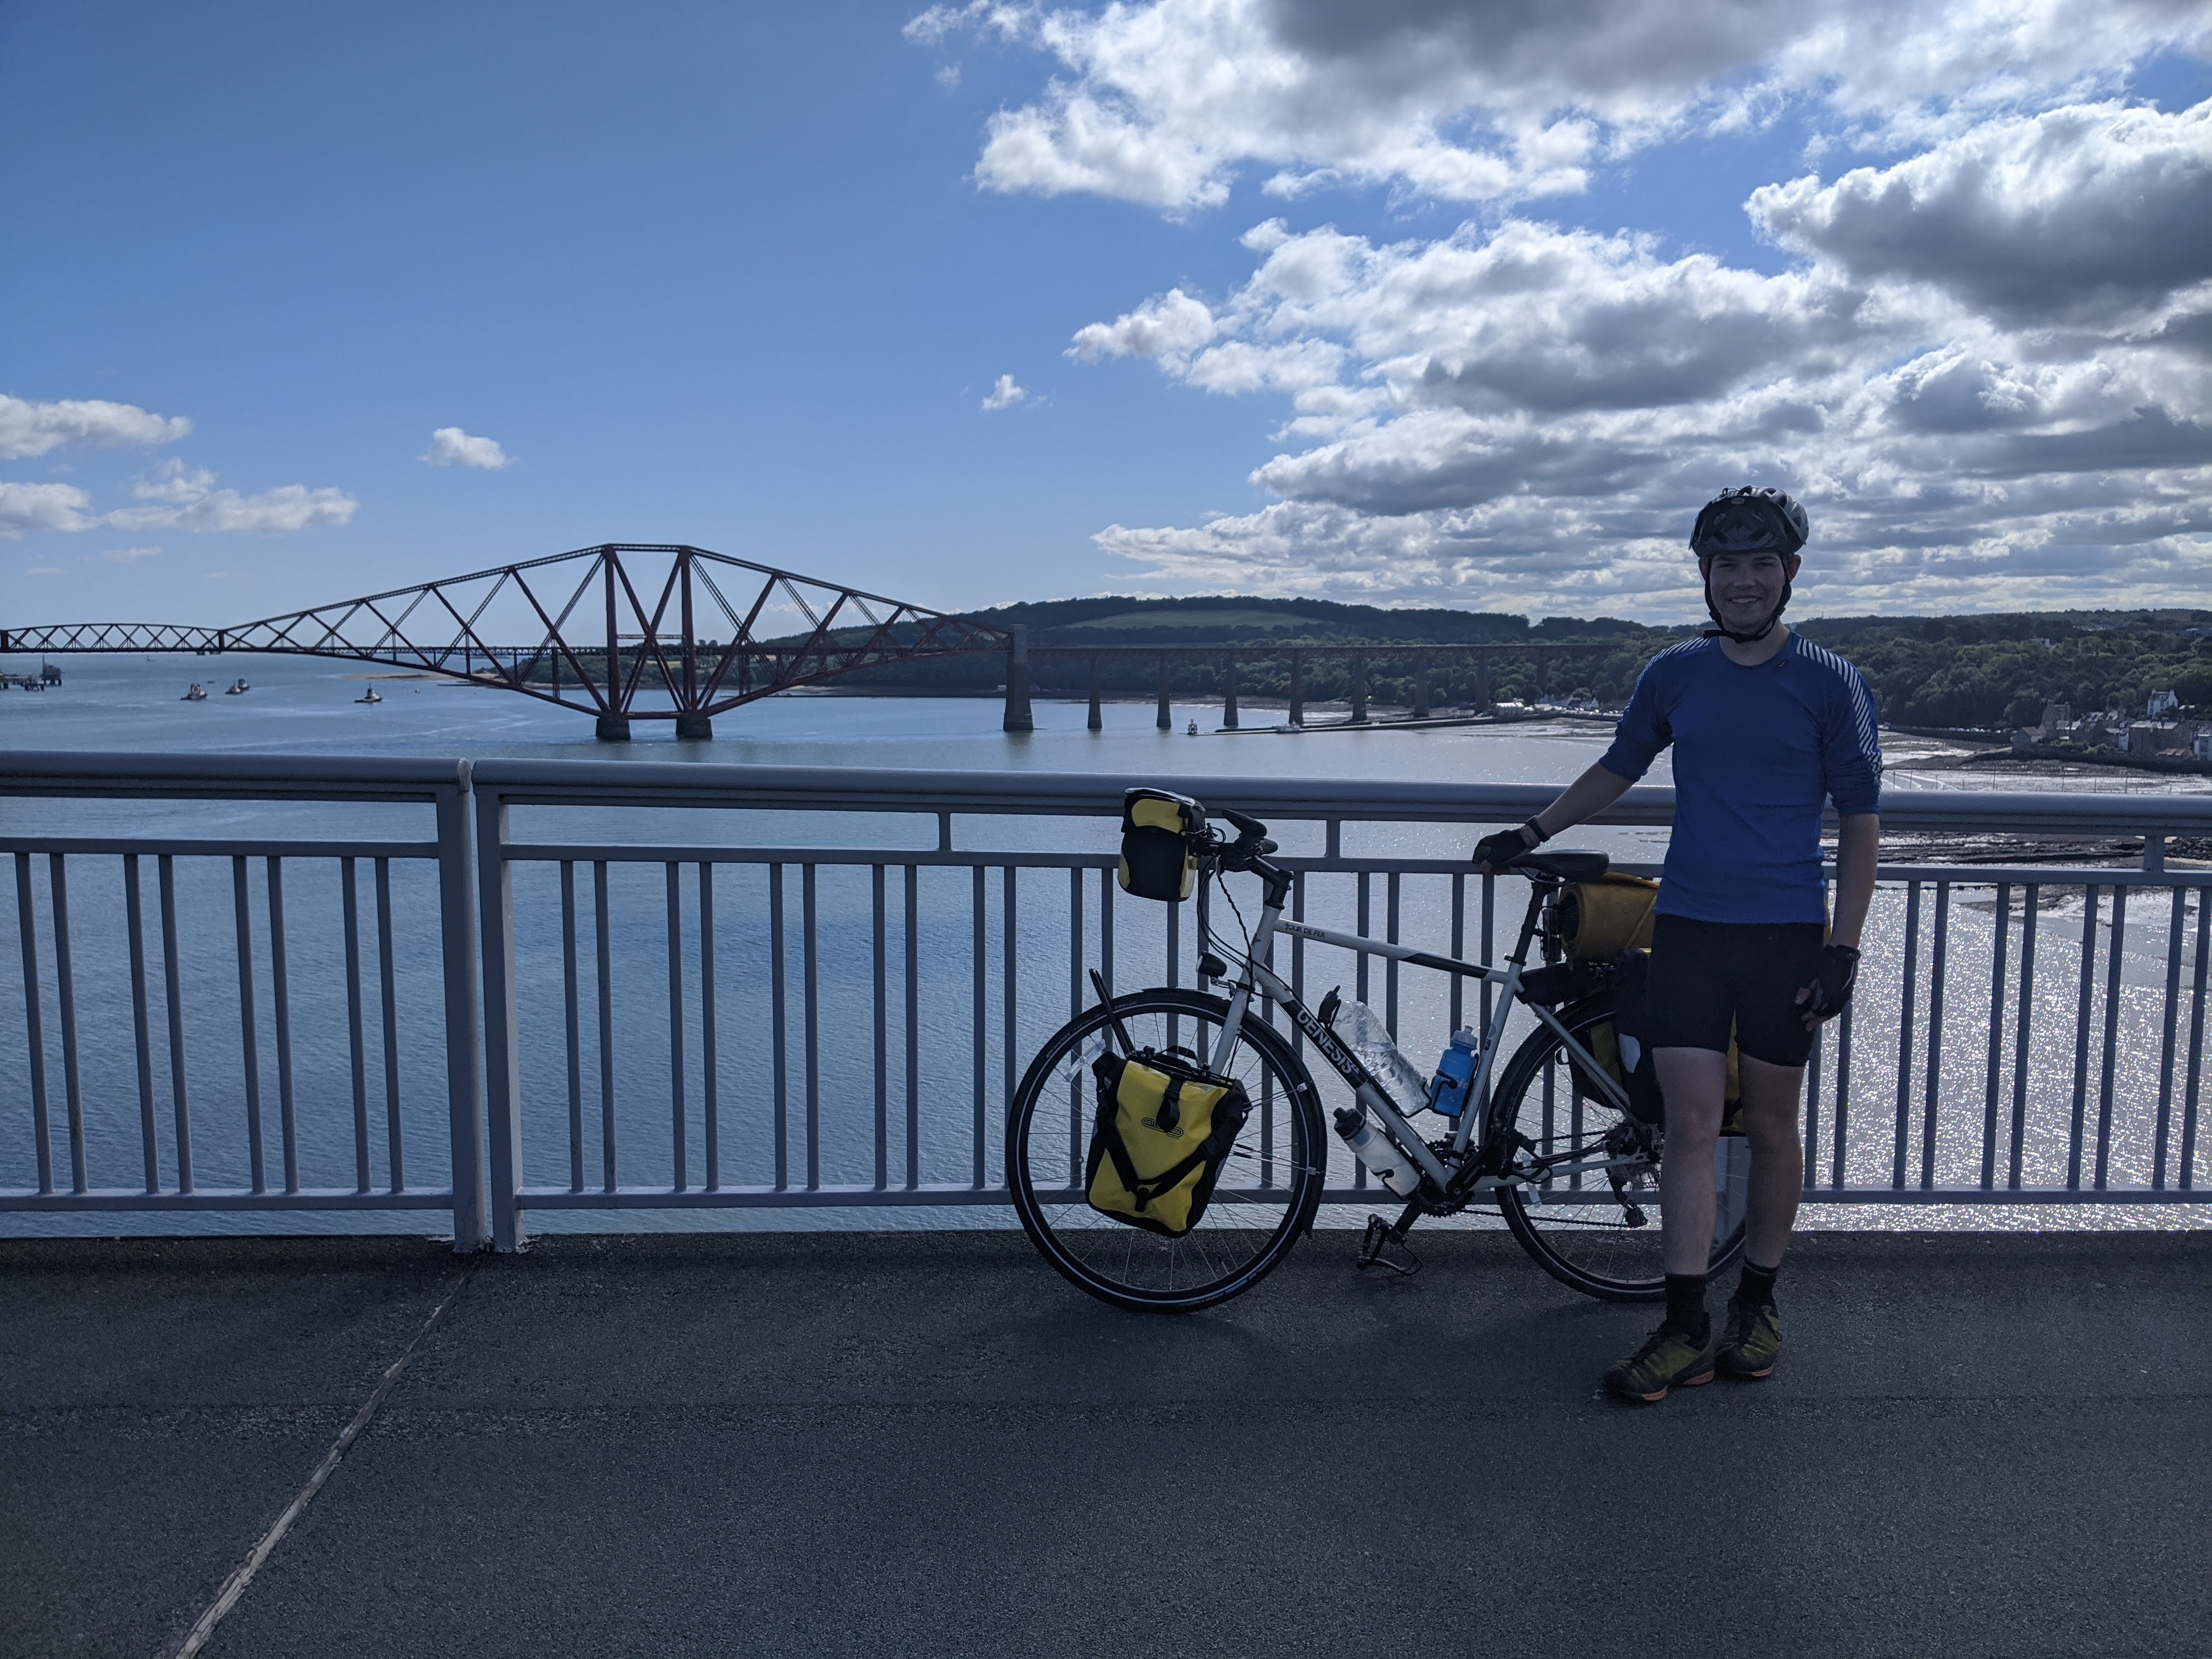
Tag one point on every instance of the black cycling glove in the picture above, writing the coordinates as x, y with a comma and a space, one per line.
1501, 849
1834, 972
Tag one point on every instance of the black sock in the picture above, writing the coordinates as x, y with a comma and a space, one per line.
1756, 1288
1685, 1304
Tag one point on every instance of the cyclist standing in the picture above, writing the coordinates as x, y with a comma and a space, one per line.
1766, 727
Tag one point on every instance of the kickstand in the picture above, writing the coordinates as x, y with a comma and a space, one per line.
1113, 1020
1384, 1245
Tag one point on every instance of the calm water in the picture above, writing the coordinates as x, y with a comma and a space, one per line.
303, 705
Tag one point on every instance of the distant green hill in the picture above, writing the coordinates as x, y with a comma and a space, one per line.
1991, 670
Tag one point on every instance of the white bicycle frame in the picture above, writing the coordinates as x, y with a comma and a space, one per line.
1256, 977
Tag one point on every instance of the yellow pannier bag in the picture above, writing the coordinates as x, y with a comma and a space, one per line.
1158, 861
1163, 1131
1603, 918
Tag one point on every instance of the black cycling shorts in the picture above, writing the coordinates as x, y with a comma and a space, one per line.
1709, 978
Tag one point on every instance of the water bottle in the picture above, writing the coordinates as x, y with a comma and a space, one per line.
1375, 1149
1363, 1032
1454, 1071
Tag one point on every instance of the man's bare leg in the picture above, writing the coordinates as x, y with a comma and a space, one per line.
1694, 1082
1772, 1096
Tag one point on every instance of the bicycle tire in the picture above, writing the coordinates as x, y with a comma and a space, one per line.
1251, 1224
1591, 1246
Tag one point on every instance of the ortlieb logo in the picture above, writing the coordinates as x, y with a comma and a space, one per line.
1174, 1133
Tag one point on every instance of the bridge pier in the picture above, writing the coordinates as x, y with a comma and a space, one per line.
1229, 695
1166, 720
696, 728
1359, 691
1095, 723
614, 728
1421, 694
1298, 716
1018, 717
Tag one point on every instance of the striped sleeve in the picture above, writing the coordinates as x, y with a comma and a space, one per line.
1850, 750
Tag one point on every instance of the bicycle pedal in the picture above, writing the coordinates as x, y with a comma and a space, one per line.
1380, 1243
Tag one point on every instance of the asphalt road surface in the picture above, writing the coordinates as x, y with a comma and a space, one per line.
926, 1444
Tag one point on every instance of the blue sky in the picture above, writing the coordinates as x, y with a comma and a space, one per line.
747, 276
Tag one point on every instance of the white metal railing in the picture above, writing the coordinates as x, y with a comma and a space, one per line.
704, 986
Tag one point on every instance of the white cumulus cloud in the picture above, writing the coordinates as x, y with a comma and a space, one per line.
1004, 394
1168, 102
451, 447
26, 508
1525, 416
176, 497
29, 428
2077, 212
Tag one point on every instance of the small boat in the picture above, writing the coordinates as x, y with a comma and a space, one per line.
197, 694
1193, 731
238, 688
369, 695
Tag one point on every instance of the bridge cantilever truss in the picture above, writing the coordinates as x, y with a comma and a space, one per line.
616, 633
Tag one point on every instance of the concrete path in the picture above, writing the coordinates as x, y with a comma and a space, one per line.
927, 1444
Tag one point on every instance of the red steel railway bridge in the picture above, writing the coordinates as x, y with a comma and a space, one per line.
631, 631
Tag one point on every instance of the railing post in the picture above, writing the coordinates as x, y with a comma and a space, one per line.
502, 1081
464, 1028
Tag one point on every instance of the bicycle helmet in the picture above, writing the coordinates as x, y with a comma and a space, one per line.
1749, 521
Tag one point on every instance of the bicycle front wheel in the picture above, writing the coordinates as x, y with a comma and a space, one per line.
1604, 1243
1269, 1187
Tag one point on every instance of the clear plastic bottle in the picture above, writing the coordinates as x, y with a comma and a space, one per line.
1373, 1148
1363, 1032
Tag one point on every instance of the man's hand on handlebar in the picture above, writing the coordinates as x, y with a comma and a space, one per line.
1492, 853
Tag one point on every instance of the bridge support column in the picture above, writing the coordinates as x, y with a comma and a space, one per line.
1166, 720
1298, 687
614, 728
696, 728
1421, 693
1229, 695
1360, 691
1095, 723
1018, 718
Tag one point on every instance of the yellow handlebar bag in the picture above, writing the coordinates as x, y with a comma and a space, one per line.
1164, 1130
1603, 918
1158, 858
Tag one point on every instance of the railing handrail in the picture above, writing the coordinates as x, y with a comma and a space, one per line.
907, 789
915, 789
105, 774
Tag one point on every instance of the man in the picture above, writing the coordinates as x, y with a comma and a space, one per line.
1767, 726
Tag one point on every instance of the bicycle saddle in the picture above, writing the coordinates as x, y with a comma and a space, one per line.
1560, 866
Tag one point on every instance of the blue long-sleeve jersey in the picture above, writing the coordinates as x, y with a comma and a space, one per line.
1757, 751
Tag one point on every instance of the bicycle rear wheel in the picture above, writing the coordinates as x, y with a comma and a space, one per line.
1578, 1229
1267, 1195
